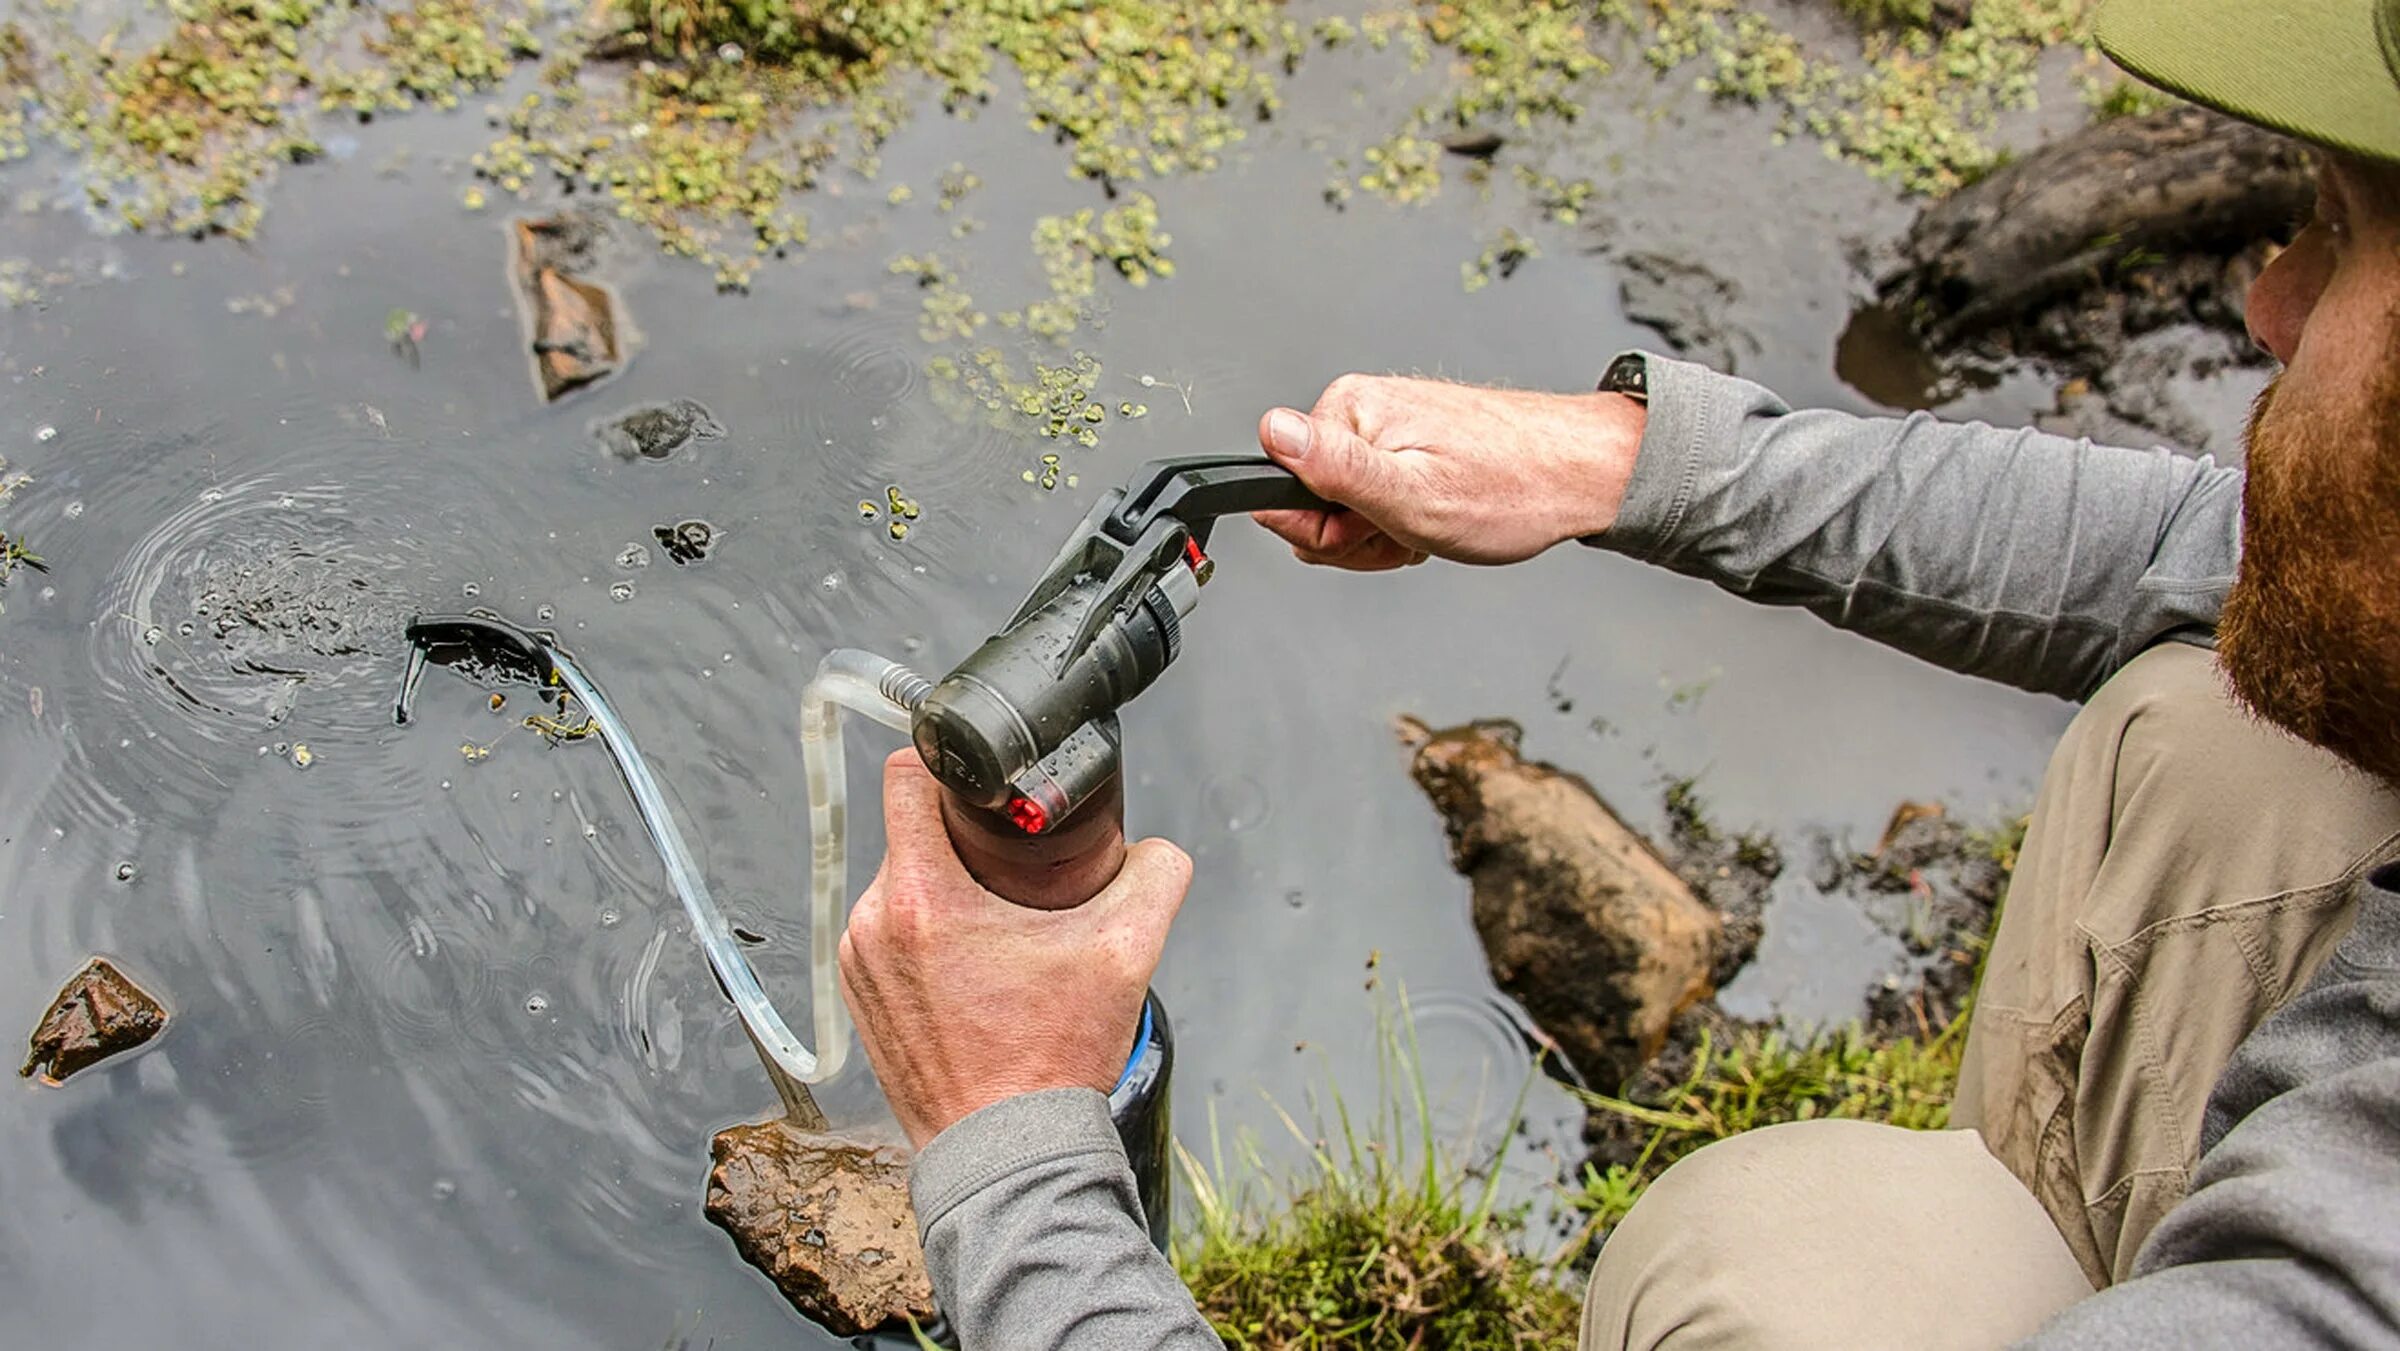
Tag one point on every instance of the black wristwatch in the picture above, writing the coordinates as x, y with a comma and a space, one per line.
1628, 375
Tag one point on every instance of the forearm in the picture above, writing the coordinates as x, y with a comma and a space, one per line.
2035, 560
1034, 1235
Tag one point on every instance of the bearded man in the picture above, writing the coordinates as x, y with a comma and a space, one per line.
2178, 1120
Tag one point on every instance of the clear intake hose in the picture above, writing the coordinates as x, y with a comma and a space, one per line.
884, 691
888, 693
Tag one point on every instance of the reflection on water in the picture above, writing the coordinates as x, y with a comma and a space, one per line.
445, 1061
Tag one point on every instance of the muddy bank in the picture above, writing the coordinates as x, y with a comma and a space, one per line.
1616, 946
2118, 258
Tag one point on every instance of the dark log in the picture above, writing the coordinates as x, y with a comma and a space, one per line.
2080, 214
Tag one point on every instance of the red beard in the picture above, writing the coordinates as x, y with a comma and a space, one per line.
2311, 631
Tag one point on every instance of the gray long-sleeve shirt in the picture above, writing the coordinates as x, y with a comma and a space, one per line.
2036, 560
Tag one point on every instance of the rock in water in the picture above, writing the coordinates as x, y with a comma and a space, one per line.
576, 337
654, 431
98, 1013
1582, 922
828, 1221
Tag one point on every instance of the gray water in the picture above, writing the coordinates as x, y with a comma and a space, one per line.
444, 1061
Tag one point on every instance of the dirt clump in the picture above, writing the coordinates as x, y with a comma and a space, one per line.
828, 1220
577, 328
1582, 922
98, 1013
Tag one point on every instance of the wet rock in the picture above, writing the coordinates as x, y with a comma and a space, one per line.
1686, 302
686, 541
576, 324
828, 1221
1475, 144
1582, 922
657, 430
98, 1013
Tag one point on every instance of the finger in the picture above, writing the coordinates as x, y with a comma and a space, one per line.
914, 837
1382, 554
1333, 461
1323, 532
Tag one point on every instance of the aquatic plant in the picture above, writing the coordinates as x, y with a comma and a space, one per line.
1379, 1242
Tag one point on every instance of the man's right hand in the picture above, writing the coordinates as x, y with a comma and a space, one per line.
1430, 468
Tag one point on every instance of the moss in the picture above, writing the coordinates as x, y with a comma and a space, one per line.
2125, 98
1917, 107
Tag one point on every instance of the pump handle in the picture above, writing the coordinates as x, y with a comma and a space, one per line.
1199, 488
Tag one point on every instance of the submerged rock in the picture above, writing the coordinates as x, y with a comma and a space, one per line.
655, 431
1686, 301
827, 1220
98, 1013
1582, 922
576, 338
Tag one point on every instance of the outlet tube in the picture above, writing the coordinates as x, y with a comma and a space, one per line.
888, 693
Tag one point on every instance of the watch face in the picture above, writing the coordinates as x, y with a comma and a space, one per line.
1628, 375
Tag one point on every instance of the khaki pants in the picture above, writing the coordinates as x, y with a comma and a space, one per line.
2185, 873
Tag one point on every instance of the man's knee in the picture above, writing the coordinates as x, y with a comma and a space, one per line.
1799, 1236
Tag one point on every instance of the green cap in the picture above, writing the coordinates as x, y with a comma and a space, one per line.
2323, 70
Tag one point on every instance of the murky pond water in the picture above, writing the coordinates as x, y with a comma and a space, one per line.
445, 1062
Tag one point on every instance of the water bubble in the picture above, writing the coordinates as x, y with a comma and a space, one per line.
620, 592
444, 1189
71, 510
731, 53
590, 831
633, 556
610, 919
151, 635
125, 871
470, 591
185, 628
1240, 802
543, 614
830, 583
46, 433
537, 1002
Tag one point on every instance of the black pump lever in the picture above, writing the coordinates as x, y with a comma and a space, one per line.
1198, 489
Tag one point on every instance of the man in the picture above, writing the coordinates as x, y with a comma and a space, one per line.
2179, 1119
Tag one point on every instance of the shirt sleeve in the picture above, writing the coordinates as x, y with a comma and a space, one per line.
1034, 1236
2035, 560
2291, 1234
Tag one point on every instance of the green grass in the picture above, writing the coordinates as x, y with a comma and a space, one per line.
1890, 13
1761, 1077
1380, 1242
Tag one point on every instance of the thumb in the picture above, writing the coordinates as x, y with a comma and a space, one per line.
1147, 894
1332, 460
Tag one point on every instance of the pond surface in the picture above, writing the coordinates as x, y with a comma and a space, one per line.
445, 1061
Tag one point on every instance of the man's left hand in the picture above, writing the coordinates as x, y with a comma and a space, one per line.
964, 999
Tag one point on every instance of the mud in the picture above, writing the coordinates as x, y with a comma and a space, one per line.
98, 1013
686, 541
1687, 302
828, 1221
1582, 921
656, 431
